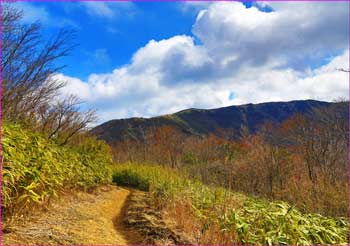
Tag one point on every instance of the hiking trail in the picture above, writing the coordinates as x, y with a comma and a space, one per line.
82, 218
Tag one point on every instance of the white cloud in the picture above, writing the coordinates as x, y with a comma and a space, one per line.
109, 10
99, 57
122, 95
193, 6
74, 86
99, 9
325, 83
257, 56
33, 12
290, 34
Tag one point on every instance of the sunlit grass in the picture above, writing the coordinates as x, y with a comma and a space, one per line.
35, 169
220, 216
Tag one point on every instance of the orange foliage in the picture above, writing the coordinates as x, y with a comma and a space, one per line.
300, 161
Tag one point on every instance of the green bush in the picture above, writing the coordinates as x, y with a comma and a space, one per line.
35, 169
131, 179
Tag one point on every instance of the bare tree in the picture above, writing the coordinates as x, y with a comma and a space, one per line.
28, 64
64, 119
30, 91
321, 138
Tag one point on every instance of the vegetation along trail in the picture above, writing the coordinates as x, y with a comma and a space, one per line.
82, 218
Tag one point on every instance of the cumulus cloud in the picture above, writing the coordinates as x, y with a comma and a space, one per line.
254, 55
74, 86
325, 83
121, 95
193, 6
290, 34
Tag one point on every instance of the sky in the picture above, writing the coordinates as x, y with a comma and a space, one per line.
143, 59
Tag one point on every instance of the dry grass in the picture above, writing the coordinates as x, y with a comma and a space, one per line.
211, 215
180, 215
143, 217
84, 218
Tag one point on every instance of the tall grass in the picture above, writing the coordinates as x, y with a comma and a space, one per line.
35, 169
215, 215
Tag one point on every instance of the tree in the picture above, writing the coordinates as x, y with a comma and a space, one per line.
30, 91
28, 64
168, 142
321, 138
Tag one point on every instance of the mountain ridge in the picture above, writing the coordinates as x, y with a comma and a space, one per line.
194, 121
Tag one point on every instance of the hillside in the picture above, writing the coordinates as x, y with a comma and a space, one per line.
204, 121
213, 215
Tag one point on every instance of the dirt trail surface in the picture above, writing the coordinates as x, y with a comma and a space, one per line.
145, 219
80, 219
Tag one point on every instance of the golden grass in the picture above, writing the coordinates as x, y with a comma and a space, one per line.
85, 218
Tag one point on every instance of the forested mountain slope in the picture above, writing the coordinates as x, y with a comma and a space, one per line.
204, 121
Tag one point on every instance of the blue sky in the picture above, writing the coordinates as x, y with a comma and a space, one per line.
107, 41
146, 59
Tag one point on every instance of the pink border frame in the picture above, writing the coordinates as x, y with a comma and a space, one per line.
1, 158
174, 1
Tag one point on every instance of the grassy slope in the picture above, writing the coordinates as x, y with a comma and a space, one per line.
35, 169
220, 216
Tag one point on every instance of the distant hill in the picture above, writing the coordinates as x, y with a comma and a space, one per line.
203, 121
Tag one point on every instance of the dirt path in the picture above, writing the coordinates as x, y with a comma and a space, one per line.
82, 219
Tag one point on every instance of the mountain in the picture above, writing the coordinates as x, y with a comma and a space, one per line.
204, 121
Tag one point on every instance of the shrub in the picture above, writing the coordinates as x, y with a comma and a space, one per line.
131, 179
35, 169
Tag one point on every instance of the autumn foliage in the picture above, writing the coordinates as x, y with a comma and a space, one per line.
302, 160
